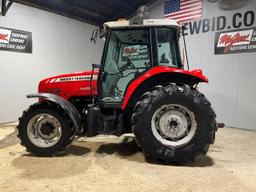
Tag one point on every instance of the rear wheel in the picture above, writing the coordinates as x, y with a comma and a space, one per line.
45, 129
174, 123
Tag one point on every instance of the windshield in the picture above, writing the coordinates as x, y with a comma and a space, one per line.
132, 45
127, 56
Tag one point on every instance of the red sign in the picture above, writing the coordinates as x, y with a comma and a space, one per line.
239, 41
15, 40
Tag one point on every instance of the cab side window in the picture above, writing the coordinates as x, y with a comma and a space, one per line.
167, 47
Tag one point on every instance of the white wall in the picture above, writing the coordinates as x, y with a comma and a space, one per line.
60, 45
232, 77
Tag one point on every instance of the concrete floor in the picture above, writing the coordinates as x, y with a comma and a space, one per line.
116, 164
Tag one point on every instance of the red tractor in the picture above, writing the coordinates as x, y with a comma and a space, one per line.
140, 87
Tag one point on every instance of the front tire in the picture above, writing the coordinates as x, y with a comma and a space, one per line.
45, 129
174, 123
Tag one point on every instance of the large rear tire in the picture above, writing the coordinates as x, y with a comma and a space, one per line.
45, 129
174, 123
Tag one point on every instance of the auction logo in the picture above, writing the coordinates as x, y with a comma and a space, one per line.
131, 50
5, 35
135, 53
235, 41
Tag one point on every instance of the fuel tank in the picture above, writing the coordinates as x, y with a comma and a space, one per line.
70, 85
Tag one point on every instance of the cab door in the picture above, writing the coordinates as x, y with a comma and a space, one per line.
127, 56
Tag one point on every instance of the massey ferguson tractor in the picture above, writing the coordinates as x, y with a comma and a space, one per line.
140, 87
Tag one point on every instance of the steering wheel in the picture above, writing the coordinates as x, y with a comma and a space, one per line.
128, 65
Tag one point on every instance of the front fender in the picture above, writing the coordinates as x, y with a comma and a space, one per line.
68, 107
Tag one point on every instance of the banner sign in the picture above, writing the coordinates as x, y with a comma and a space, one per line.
238, 41
135, 52
220, 23
15, 40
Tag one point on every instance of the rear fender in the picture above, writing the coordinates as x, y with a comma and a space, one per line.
160, 76
65, 105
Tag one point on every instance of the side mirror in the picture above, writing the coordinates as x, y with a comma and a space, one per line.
97, 33
102, 34
94, 36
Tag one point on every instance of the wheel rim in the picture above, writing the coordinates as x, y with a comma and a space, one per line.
44, 130
173, 125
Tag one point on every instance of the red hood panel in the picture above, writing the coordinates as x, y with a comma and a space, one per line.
70, 85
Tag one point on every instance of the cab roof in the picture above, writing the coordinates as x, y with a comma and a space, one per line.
145, 23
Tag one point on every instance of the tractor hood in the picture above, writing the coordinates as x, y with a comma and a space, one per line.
70, 85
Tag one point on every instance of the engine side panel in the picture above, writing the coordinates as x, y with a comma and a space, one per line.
70, 85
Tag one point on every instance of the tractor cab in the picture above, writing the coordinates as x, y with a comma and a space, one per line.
131, 50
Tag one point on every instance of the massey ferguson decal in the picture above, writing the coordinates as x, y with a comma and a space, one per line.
239, 41
74, 78
15, 40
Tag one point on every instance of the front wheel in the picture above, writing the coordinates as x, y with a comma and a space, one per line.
174, 123
44, 129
